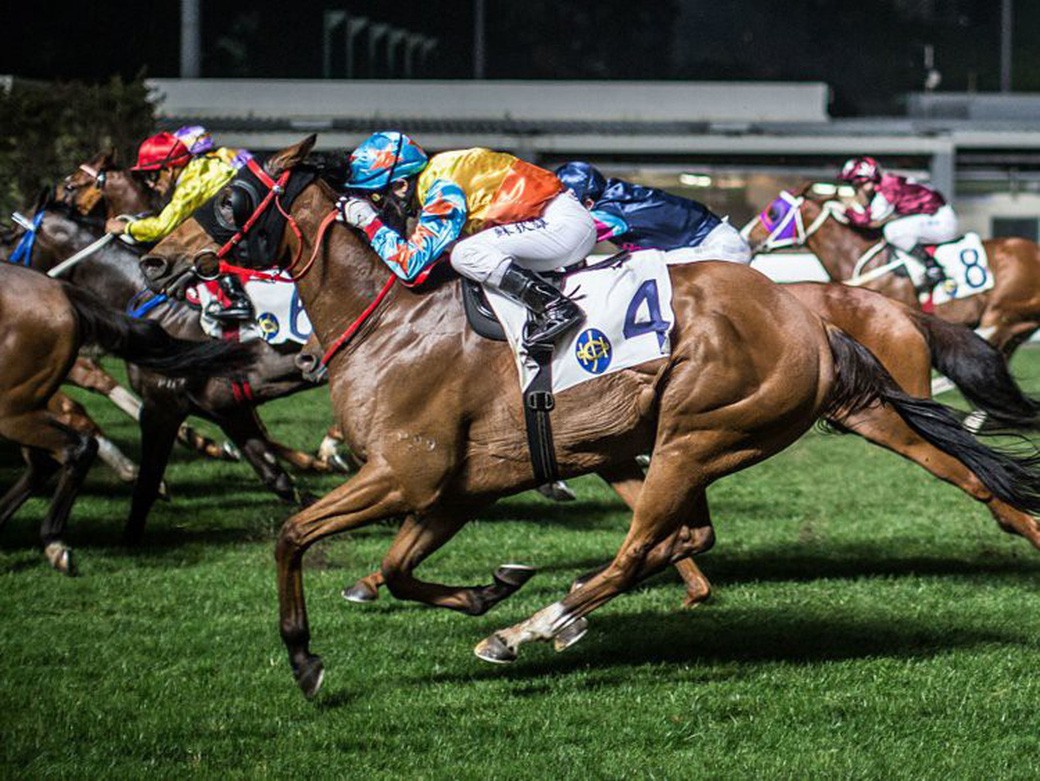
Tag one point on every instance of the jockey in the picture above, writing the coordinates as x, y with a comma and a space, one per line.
506, 219
185, 167
912, 215
635, 217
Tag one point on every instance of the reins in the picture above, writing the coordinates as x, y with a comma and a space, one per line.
275, 190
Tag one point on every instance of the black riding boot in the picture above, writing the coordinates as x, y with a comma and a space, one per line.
553, 312
239, 306
933, 272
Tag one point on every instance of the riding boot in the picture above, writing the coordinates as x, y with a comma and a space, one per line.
239, 306
553, 313
933, 272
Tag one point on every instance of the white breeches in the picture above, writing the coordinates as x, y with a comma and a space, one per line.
724, 242
562, 236
907, 232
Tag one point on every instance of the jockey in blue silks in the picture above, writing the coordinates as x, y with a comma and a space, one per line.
635, 217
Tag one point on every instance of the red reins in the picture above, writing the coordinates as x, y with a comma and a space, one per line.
275, 190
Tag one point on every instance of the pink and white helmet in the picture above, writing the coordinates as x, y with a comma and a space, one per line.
860, 169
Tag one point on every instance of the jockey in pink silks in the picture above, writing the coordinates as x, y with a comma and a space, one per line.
910, 214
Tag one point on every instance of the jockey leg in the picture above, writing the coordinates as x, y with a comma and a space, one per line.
509, 257
239, 306
907, 235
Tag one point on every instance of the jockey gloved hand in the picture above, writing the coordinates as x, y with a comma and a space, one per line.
355, 211
115, 225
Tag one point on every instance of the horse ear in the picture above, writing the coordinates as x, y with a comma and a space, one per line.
291, 157
108, 157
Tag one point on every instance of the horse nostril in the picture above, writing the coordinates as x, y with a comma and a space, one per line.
154, 266
306, 362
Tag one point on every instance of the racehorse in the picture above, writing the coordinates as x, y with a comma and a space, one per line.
99, 187
434, 411
908, 343
112, 273
45, 323
1006, 315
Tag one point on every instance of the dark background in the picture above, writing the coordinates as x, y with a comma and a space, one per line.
870, 51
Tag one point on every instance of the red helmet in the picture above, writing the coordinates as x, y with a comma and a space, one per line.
860, 169
163, 150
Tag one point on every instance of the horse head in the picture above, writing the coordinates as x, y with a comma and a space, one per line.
230, 224
100, 187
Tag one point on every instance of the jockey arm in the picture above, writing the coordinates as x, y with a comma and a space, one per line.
879, 210
197, 184
441, 220
608, 224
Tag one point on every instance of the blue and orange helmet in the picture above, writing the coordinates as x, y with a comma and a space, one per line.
383, 158
582, 179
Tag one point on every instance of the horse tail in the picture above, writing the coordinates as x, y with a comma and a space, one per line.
861, 382
980, 372
146, 344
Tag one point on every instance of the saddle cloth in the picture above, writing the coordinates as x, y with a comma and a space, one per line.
966, 266
279, 313
628, 308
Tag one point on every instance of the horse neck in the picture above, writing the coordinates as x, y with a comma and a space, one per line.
837, 247
112, 273
123, 195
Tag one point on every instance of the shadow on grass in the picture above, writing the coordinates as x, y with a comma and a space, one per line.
747, 637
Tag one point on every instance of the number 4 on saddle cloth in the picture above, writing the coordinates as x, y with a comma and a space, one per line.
628, 307
279, 317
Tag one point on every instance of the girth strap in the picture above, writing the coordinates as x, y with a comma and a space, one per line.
538, 403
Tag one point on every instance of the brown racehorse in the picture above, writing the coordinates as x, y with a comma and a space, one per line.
1006, 315
435, 413
907, 342
45, 323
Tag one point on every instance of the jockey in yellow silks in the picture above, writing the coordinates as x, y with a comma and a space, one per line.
185, 166
504, 220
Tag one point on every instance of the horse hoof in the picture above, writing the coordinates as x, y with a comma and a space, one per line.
494, 649
695, 600
570, 634
60, 557
643, 461
164, 492
340, 465
310, 676
228, 452
558, 491
361, 593
513, 575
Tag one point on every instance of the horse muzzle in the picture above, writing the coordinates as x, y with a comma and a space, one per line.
162, 276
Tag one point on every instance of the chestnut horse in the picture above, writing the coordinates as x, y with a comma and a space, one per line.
1006, 315
435, 413
907, 342
45, 323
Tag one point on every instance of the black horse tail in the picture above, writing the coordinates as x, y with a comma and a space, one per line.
147, 345
861, 382
980, 372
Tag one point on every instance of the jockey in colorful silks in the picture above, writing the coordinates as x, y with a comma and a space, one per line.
504, 220
185, 166
635, 217
912, 214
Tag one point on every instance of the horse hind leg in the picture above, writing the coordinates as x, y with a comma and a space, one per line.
662, 532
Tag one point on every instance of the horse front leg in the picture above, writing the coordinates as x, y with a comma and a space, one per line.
247, 432
419, 537
160, 419
373, 494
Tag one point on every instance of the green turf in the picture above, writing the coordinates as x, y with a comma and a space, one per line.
870, 622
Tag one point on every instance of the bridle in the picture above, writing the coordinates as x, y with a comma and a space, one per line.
792, 221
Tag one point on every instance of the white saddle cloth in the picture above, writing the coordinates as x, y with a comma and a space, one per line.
966, 266
279, 313
629, 318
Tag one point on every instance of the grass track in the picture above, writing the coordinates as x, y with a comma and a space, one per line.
870, 622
